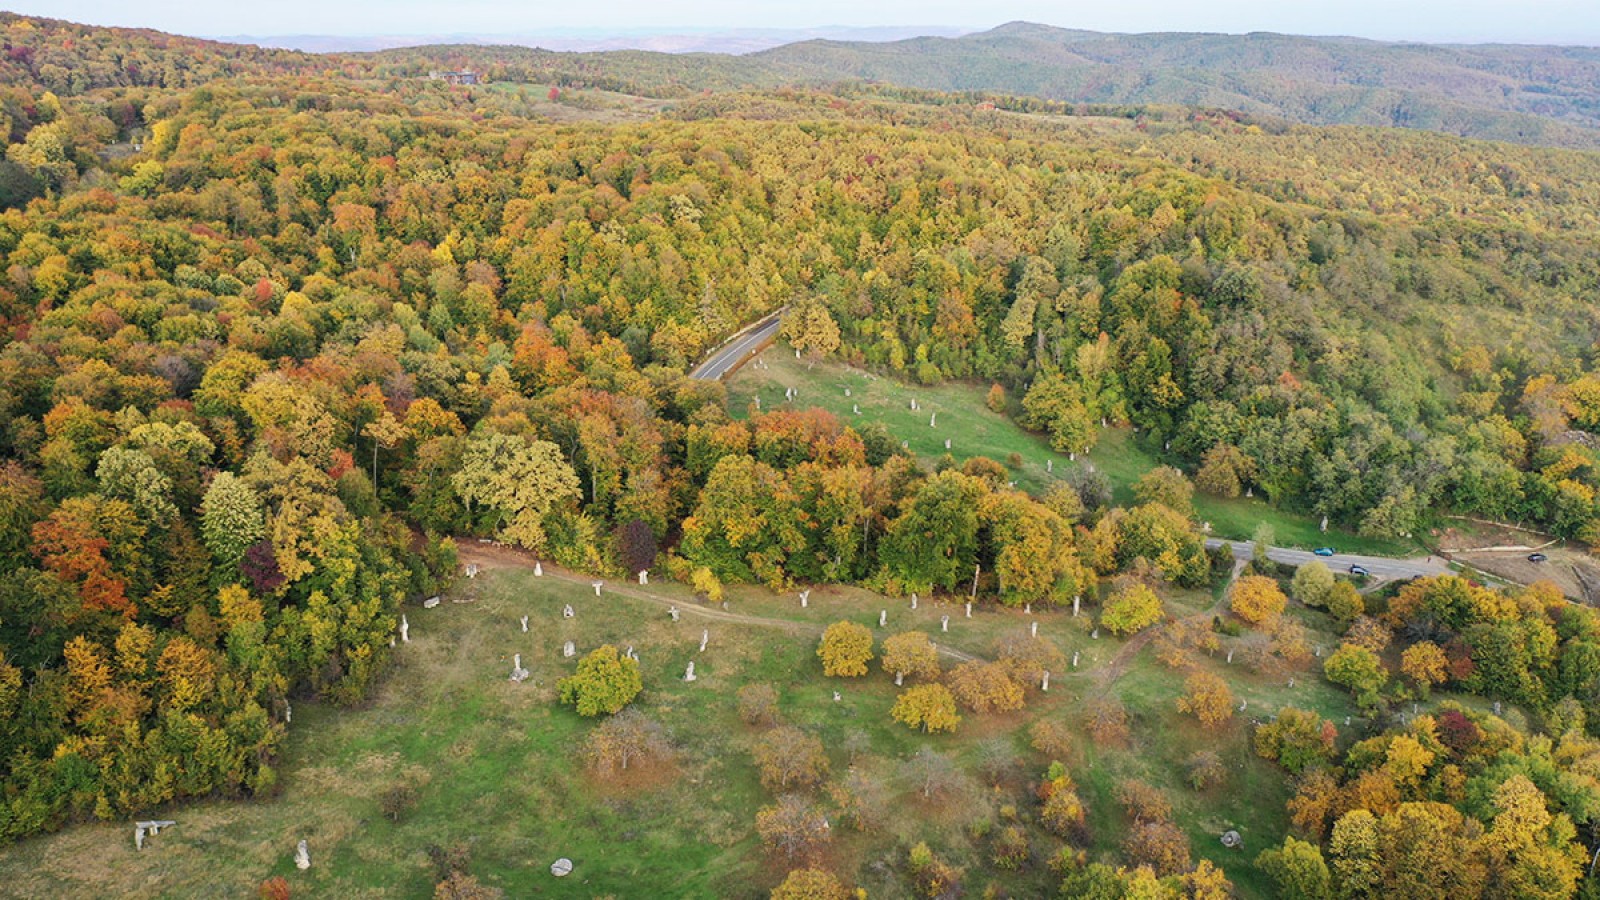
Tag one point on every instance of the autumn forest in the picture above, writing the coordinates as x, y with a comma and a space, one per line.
285, 334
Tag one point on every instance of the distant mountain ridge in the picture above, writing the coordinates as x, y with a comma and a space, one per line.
1546, 95
1531, 94
719, 40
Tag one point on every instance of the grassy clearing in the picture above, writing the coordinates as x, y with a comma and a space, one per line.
973, 429
497, 762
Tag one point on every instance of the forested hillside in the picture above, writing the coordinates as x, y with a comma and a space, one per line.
273, 338
1536, 95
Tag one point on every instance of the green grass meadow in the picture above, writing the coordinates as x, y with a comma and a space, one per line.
498, 765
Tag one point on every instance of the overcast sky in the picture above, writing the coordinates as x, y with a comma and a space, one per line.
1523, 21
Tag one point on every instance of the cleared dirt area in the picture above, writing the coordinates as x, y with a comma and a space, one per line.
1502, 551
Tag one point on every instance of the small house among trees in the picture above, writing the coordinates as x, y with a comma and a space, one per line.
465, 76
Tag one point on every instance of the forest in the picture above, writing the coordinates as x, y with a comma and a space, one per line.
279, 333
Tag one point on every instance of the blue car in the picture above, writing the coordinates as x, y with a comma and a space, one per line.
1323, 551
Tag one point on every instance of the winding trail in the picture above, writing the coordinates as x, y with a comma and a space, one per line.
499, 556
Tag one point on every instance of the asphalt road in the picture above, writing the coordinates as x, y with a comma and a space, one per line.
1379, 566
729, 357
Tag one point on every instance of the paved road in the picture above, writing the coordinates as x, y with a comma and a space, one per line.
729, 357
1380, 566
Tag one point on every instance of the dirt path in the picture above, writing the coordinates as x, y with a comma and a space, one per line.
1119, 663
498, 556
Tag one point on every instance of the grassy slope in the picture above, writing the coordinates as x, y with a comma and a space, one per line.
500, 769
974, 430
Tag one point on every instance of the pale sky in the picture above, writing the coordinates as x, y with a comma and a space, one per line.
1519, 21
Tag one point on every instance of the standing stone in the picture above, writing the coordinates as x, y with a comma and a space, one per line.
597, 585
1072, 456
518, 673
538, 569
1347, 721
855, 408
944, 623
805, 598
472, 570
905, 445
1291, 683
673, 612
644, 576
1249, 492
566, 612
899, 678
288, 713
1094, 635
1230, 655
524, 624
758, 403
847, 392
568, 651
933, 421
883, 618
1077, 600
969, 609
1045, 685
302, 857
1074, 659
689, 675
1324, 526
1011, 484
913, 600
836, 697
1497, 707
405, 630
1049, 465
947, 443
1243, 704
1027, 609
705, 637
1033, 629
430, 603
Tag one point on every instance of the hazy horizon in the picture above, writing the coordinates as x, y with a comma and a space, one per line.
1561, 22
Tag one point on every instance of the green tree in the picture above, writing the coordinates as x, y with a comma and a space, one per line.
1359, 670
929, 707
520, 481
845, 650
1134, 608
605, 682
1298, 869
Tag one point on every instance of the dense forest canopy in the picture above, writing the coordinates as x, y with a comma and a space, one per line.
278, 326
